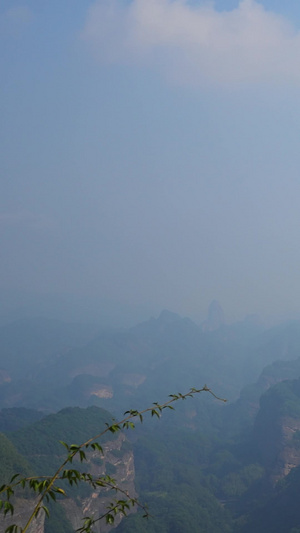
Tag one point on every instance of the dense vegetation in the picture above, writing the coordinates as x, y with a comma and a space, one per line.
11, 461
209, 467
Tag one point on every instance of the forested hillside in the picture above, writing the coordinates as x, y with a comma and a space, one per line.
207, 467
37, 449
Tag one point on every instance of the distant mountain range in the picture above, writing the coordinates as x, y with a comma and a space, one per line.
252, 457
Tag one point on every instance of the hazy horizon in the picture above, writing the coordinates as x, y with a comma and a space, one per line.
150, 158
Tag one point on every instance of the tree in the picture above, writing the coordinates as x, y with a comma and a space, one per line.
46, 487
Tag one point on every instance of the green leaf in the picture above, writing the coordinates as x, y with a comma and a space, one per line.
110, 518
52, 495
96, 446
14, 477
13, 529
60, 491
114, 428
64, 444
74, 447
46, 511
82, 455
8, 508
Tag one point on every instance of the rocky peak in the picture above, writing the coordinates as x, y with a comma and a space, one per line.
215, 317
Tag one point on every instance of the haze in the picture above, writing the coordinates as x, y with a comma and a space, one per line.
150, 158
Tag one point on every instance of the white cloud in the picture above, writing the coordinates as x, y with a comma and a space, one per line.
196, 44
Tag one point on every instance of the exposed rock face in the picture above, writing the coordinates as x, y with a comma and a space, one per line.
37, 448
23, 508
101, 391
277, 430
278, 449
289, 456
117, 462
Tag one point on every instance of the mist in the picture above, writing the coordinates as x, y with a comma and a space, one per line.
159, 173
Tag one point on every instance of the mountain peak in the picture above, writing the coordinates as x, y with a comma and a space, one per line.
168, 316
215, 317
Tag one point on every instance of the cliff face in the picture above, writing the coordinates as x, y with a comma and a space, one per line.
277, 430
23, 509
119, 464
39, 444
276, 440
278, 449
289, 456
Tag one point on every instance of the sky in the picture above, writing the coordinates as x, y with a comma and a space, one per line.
150, 158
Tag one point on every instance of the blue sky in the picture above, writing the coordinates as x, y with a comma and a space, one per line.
150, 157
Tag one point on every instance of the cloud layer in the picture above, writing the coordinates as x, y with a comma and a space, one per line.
196, 44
